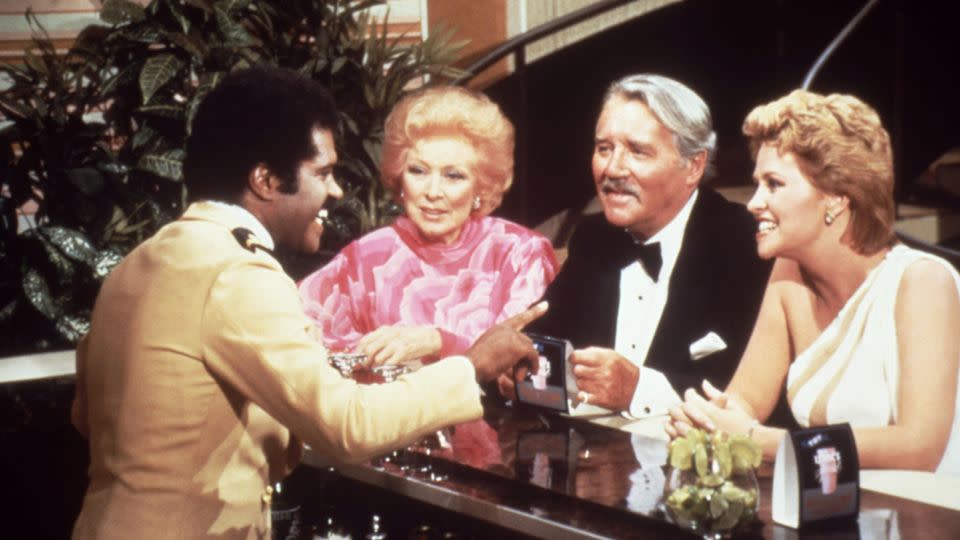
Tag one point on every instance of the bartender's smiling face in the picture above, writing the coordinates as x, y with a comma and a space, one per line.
300, 228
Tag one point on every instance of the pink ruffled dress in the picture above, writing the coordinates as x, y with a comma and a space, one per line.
391, 276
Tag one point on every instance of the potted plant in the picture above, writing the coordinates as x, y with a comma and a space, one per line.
95, 138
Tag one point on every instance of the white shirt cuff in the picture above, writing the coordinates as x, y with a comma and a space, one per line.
654, 395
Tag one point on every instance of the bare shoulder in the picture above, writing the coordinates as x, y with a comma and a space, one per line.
927, 278
927, 287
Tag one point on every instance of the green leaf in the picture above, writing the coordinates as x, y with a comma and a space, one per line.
104, 262
73, 327
142, 137
165, 111
195, 47
167, 165
120, 11
745, 452
209, 81
72, 243
86, 179
8, 310
729, 516
351, 125
122, 77
373, 149
233, 5
37, 292
156, 72
64, 269
681, 454
13, 107
701, 460
234, 34
718, 505
721, 454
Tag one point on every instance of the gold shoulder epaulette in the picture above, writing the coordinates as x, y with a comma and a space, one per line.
248, 240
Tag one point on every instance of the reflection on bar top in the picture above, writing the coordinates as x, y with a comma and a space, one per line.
572, 457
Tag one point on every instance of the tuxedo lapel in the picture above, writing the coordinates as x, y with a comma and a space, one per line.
685, 315
585, 296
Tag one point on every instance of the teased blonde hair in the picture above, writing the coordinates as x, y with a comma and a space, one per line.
843, 149
453, 111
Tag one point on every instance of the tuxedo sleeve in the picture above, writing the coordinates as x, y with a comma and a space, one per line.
654, 395
258, 341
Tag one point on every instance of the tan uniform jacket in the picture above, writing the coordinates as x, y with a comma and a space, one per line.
198, 357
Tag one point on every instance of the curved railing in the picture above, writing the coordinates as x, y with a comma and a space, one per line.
951, 255
516, 47
516, 44
828, 52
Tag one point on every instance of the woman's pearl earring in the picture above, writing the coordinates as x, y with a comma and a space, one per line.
828, 218
476, 202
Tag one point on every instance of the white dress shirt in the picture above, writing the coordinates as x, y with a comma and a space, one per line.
641, 305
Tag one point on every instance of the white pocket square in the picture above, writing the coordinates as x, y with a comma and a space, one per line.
706, 345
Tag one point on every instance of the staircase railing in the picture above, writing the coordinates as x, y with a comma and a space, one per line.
516, 46
828, 52
949, 254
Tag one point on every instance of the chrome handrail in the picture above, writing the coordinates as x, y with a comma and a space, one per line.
514, 44
828, 52
949, 254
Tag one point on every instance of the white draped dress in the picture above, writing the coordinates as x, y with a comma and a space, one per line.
851, 371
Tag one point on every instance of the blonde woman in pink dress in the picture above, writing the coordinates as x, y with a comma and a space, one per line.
444, 272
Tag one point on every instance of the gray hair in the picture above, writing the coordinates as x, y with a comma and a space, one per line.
678, 108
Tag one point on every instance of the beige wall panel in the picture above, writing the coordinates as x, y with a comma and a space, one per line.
64, 19
483, 22
541, 11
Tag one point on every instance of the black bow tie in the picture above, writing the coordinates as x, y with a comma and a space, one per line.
649, 256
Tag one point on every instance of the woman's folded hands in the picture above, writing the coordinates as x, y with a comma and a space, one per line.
714, 410
399, 344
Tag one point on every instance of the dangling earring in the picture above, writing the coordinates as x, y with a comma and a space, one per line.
828, 218
476, 202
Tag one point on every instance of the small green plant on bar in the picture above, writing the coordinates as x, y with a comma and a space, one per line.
712, 487
94, 138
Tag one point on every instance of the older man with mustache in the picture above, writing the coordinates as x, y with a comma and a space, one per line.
662, 290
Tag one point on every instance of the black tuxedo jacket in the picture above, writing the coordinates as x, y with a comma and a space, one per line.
716, 286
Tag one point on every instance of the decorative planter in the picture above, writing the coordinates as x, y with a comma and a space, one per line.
712, 488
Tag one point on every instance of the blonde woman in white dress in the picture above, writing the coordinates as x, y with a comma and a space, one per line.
859, 328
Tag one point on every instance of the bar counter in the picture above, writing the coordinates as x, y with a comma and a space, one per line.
523, 473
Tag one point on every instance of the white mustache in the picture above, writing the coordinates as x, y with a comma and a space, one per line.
618, 185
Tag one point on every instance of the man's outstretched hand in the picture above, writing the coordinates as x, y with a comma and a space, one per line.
501, 347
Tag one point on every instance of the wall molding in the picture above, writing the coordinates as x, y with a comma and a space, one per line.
64, 19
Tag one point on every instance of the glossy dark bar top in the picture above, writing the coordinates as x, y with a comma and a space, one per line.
549, 476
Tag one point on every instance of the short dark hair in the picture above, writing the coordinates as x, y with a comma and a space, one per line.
258, 115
